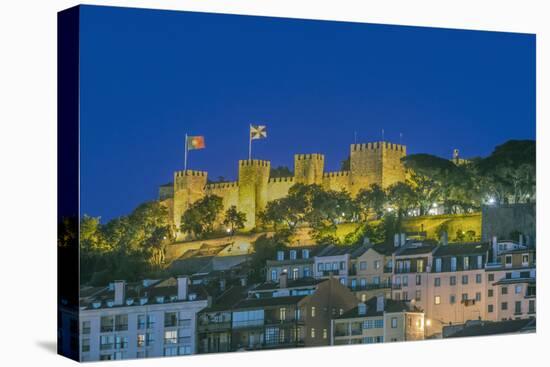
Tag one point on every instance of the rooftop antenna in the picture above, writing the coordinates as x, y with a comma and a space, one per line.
400, 138
382, 134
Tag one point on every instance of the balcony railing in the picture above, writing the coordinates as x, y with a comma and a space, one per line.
214, 326
396, 286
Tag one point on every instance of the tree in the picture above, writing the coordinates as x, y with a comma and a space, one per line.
402, 198
510, 171
280, 171
371, 200
234, 219
265, 248
200, 217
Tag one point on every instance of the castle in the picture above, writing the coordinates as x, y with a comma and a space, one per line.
370, 163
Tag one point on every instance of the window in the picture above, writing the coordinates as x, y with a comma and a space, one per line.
452, 299
504, 290
394, 322
405, 296
184, 350
272, 335
531, 306
376, 280
478, 296
464, 297
373, 339
335, 266
248, 318
121, 322
85, 327
452, 280
478, 278
363, 265
405, 281
466, 262
453, 263
418, 295
489, 293
305, 254
407, 266
479, 261
524, 259
85, 345
464, 279
518, 289
343, 281
364, 297
107, 324
106, 342
400, 266
306, 273
312, 332
150, 321
438, 265
419, 265
273, 275
437, 300
321, 267
149, 340
170, 351
282, 314
280, 255
508, 275
171, 337
489, 308
170, 319
418, 279
363, 283
312, 311
292, 254
342, 265
353, 283
491, 277
504, 306
140, 340
295, 273
508, 260
437, 282
517, 309
141, 322
325, 333
377, 264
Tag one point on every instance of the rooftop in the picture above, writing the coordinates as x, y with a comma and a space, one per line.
483, 328
457, 249
389, 306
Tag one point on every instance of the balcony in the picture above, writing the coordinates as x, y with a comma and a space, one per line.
248, 324
396, 286
219, 326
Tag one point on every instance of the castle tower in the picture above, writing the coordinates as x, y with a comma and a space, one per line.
308, 168
253, 179
376, 163
188, 187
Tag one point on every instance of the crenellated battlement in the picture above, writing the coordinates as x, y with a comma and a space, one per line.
378, 145
254, 162
190, 173
281, 179
221, 185
310, 156
336, 174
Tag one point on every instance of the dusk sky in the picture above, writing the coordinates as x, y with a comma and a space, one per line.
149, 77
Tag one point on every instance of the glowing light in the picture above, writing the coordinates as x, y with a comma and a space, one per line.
343, 214
434, 205
428, 322
228, 230
491, 200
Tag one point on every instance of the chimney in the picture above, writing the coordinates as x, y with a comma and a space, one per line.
521, 239
222, 284
403, 239
362, 308
243, 281
396, 240
444, 238
183, 287
495, 248
380, 303
120, 292
283, 280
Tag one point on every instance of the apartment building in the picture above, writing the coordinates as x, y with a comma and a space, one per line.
378, 320
338, 262
511, 282
373, 273
152, 318
271, 317
297, 262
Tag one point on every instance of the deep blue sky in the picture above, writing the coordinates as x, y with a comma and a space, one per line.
148, 77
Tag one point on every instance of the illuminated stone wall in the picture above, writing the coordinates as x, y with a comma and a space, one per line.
453, 222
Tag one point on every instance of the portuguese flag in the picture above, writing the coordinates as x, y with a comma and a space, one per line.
195, 142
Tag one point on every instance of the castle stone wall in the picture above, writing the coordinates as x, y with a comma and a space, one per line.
228, 191
189, 186
253, 182
277, 188
337, 181
309, 168
393, 169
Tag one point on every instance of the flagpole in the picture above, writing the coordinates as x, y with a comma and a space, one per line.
185, 159
249, 142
